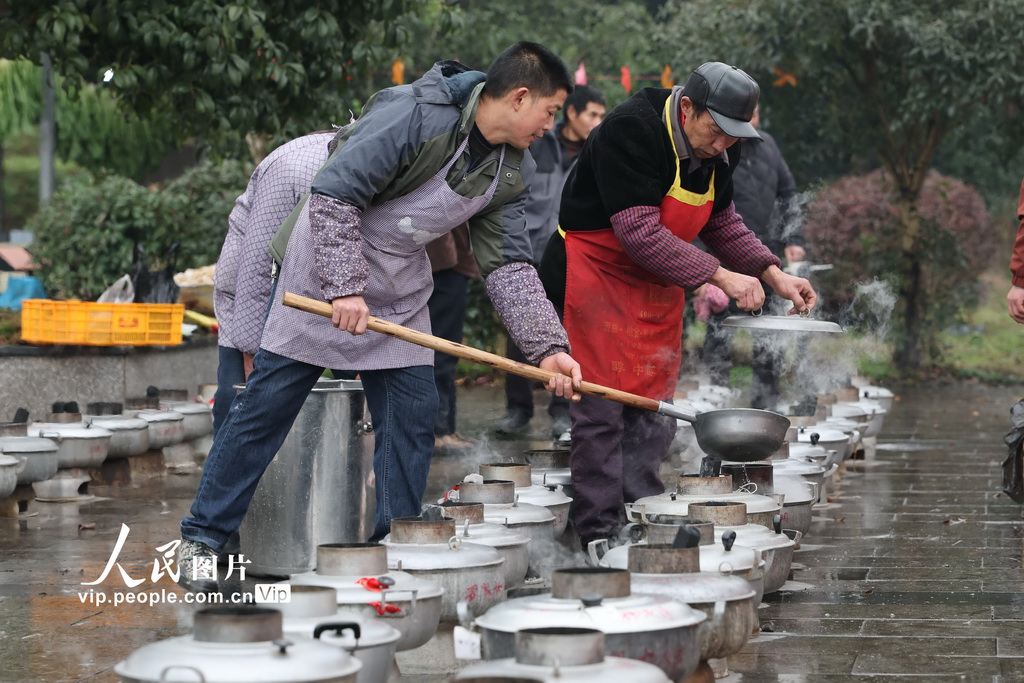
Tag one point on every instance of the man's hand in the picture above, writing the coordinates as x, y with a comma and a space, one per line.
796, 289
794, 253
570, 375
1015, 302
746, 290
247, 364
350, 314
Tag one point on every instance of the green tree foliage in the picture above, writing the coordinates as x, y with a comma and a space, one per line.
86, 236
224, 69
889, 78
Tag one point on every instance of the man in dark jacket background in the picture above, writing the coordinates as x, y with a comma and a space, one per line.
764, 193
555, 154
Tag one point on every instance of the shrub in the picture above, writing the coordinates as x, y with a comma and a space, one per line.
86, 236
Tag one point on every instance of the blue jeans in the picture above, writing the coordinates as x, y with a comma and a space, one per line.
230, 371
403, 407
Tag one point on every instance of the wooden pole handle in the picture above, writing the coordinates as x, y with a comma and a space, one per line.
471, 354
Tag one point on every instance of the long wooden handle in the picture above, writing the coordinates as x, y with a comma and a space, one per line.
469, 353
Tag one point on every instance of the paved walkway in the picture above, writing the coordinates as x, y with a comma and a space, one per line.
915, 570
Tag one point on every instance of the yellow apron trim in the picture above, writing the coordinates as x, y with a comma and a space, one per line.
561, 232
676, 191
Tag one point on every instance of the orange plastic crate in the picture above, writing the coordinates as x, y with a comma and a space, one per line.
91, 324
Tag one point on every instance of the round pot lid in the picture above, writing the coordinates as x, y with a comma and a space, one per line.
554, 477
437, 557
74, 430
789, 466
825, 435
755, 536
851, 410
511, 514
740, 558
8, 461
633, 614
871, 406
153, 415
876, 392
698, 588
540, 495
188, 407
119, 423
796, 489
26, 444
372, 632
184, 659
677, 504
356, 589
806, 450
495, 535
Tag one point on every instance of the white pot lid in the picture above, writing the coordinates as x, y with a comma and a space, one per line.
635, 613
559, 477
9, 461
755, 536
118, 423
806, 450
510, 514
876, 392
494, 535
698, 588
611, 670
841, 423
26, 444
796, 489
187, 407
306, 661
825, 435
851, 410
871, 406
792, 467
372, 632
72, 430
440, 556
541, 495
152, 415
712, 557
352, 592
664, 503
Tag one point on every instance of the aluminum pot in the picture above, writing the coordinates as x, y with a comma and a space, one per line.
198, 418
38, 454
166, 427
129, 435
78, 445
10, 467
799, 496
502, 507
551, 497
562, 655
238, 645
471, 527
760, 509
776, 550
468, 572
829, 439
884, 396
651, 628
359, 574
313, 612
728, 601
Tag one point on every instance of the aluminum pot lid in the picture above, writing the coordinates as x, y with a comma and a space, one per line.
876, 392
74, 430
843, 424
694, 588
739, 558
791, 466
825, 435
872, 406
796, 489
352, 589
188, 407
26, 444
851, 410
636, 613
372, 632
806, 450
540, 495
153, 415
677, 504
119, 423
9, 461
555, 477
786, 323
610, 670
755, 536
511, 514
183, 659
456, 554
494, 535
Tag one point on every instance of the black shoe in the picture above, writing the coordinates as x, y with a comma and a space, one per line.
560, 426
514, 422
197, 567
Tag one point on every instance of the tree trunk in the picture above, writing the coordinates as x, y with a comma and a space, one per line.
47, 134
907, 354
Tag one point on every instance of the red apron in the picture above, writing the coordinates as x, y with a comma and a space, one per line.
625, 323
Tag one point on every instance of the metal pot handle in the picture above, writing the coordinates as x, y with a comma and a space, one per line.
163, 674
725, 568
52, 435
338, 627
592, 550
401, 612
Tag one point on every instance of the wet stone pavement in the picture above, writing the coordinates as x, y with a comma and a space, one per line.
913, 570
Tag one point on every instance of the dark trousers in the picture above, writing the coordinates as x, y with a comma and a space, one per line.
616, 456
519, 390
447, 307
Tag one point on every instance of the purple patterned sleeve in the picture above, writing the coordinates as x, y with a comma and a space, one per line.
531, 321
653, 246
340, 263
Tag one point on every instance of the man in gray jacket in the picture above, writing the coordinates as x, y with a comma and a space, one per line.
555, 153
422, 159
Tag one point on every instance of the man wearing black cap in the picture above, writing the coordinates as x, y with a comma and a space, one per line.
653, 176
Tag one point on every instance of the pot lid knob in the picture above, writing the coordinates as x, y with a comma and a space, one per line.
728, 538
815, 437
591, 599
777, 523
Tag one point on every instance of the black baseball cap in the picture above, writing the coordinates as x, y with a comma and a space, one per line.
728, 93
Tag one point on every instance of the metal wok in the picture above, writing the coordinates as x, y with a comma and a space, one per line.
738, 434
